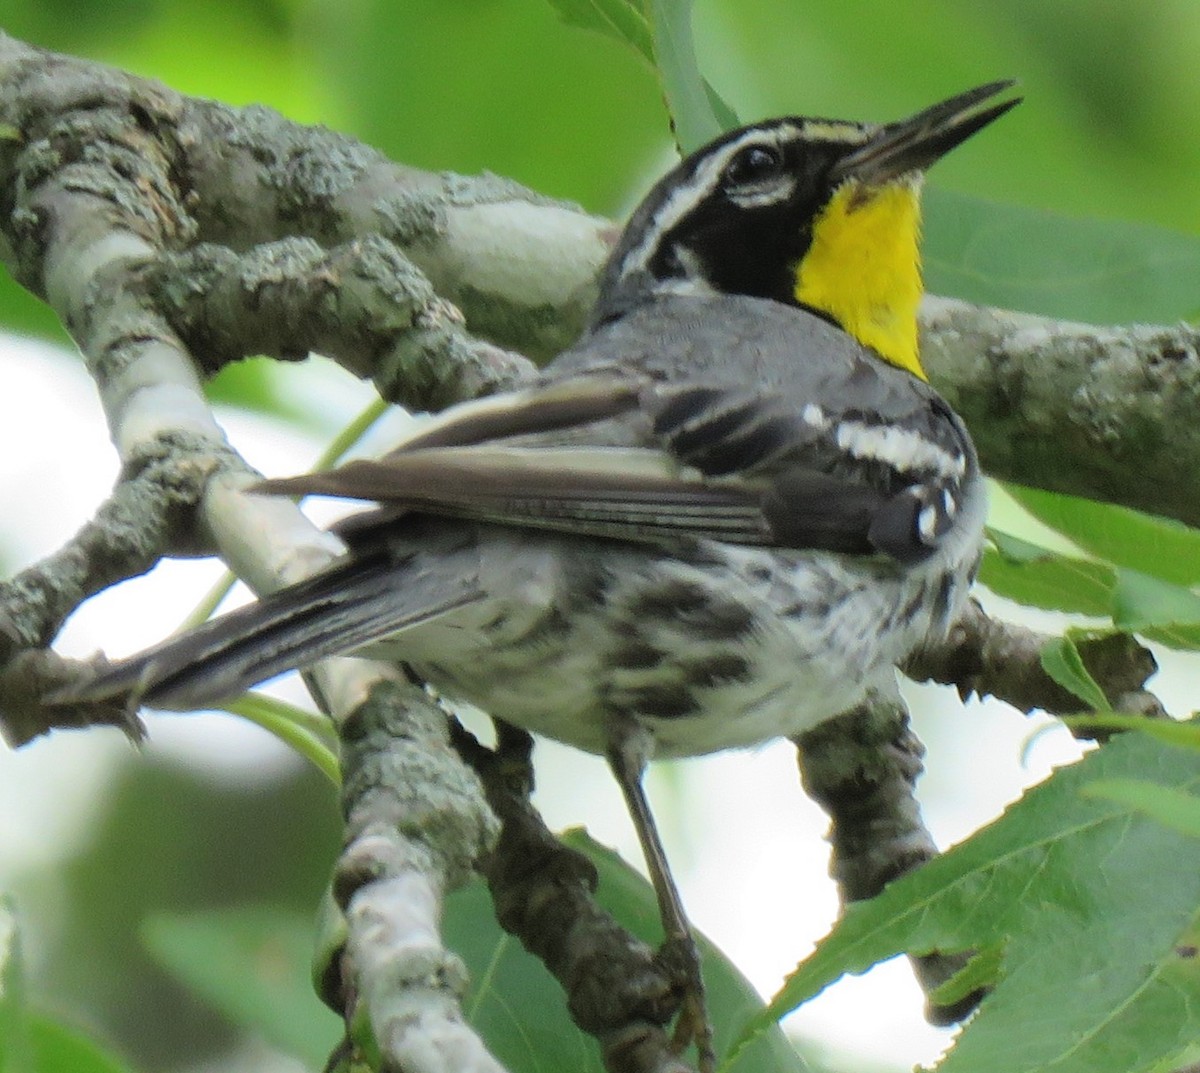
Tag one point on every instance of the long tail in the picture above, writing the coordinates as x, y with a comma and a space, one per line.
359, 600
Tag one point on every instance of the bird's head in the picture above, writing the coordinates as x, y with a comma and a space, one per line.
816, 212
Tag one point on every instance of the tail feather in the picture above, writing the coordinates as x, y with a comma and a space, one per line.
351, 604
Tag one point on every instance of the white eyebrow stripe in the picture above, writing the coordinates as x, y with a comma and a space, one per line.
831, 130
702, 182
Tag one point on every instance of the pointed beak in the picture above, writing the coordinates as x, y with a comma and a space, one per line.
912, 145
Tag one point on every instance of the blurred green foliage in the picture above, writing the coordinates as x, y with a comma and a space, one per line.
169, 840
507, 86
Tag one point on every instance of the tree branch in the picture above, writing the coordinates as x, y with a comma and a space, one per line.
416, 822
1104, 413
617, 989
992, 658
862, 769
362, 303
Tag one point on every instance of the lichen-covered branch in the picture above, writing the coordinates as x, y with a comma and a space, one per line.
522, 265
989, 657
362, 303
161, 493
416, 822
1105, 413
617, 989
99, 190
151, 509
862, 768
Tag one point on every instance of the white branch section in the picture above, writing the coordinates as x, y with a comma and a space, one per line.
411, 987
515, 251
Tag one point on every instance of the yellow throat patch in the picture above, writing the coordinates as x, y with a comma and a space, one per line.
864, 268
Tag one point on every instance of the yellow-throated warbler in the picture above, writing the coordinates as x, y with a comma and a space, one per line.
721, 517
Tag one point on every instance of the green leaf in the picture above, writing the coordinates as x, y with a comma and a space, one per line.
1157, 609
1175, 808
570, 114
1100, 271
251, 963
696, 111
726, 117
619, 19
22, 313
520, 1010
1061, 661
1161, 547
1016, 550
661, 32
1095, 974
1183, 735
1038, 577
1186, 1061
1183, 638
59, 1049
309, 734
981, 971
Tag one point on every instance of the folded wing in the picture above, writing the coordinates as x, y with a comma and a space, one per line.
706, 461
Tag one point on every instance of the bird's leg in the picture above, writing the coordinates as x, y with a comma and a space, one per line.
627, 756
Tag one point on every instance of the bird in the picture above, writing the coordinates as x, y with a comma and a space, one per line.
722, 516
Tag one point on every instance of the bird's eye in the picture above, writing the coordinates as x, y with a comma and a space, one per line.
754, 164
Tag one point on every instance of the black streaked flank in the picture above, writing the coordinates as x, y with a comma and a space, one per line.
670, 601
708, 614
727, 620
717, 670
637, 655
914, 603
550, 628
669, 700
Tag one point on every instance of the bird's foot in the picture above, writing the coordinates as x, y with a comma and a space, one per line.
680, 957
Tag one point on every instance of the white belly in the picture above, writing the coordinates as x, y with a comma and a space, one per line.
762, 647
